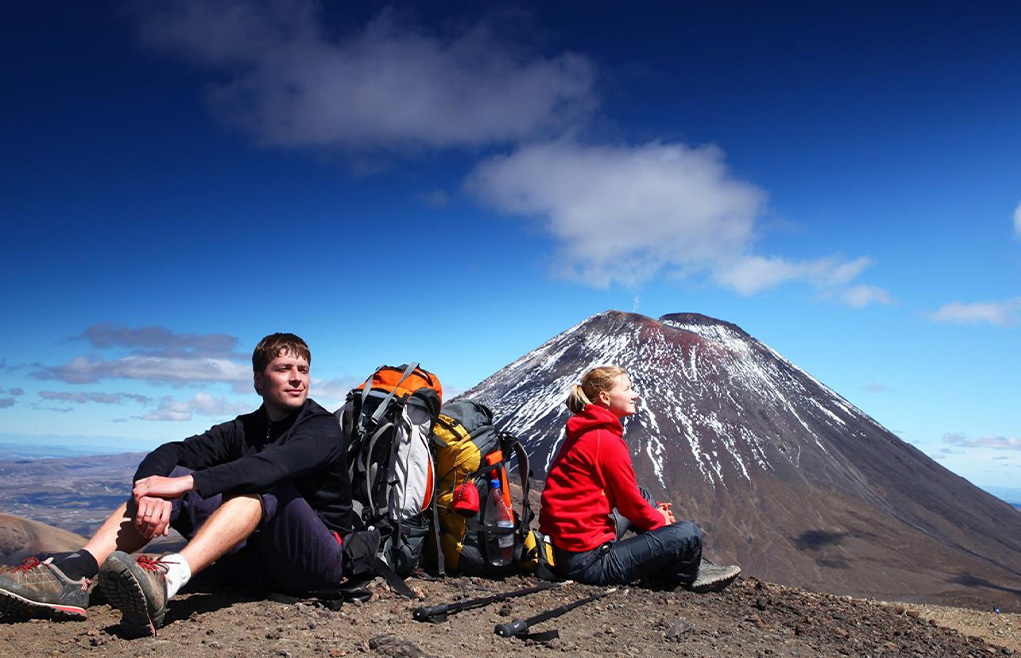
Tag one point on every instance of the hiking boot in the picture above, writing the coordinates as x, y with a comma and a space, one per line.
138, 588
40, 587
713, 577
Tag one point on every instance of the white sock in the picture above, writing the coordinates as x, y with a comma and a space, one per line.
178, 573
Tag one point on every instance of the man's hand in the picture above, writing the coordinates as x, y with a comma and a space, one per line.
152, 496
664, 509
152, 517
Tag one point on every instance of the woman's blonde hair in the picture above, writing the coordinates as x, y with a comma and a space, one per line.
592, 383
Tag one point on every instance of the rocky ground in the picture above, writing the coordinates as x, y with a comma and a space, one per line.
751, 618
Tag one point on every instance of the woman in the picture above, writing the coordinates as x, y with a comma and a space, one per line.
591, 499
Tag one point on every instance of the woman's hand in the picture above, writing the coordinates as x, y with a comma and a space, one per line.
668, 515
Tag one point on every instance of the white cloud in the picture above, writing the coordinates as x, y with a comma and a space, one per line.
1000, 314
627, 214
876, 388
84, 370
159, 340
861, 296
101, 398
752, 274
201, 403
996, 442
331, 393
1017, 220
6, 403
389, 84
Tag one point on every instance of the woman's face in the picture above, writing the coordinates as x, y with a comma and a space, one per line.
620, 399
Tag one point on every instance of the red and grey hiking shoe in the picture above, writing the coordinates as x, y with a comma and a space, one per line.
138, 588
714, 577
40, 587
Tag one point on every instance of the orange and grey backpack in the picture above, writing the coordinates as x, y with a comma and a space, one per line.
386, 423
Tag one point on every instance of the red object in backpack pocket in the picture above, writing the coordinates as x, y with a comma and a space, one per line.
466, 499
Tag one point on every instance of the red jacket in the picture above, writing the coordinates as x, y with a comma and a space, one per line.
591, 474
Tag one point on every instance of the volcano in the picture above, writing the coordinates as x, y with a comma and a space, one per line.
783, 475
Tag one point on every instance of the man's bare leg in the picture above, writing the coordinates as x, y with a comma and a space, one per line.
228, 526
140, 589
117, 533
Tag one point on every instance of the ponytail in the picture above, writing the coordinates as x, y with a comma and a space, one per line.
577, 400
592, 384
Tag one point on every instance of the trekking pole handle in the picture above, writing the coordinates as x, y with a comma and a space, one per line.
516, 627
426, 613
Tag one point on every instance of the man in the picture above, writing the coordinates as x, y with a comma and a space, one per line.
265, 496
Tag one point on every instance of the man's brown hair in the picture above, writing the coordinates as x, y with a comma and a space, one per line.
274, 345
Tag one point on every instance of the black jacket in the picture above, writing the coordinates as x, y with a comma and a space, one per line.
250, 455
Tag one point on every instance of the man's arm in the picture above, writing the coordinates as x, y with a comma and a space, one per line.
312, 445
153, 490
216, 445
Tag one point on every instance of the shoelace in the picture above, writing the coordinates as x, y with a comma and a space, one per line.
154, 566
28, 564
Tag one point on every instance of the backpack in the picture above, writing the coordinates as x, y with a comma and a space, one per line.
386, 423
469, 452
538, 558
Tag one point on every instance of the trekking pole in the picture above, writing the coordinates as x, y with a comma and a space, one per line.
519, 627
438, 613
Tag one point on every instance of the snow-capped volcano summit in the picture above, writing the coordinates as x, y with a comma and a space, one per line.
781, 473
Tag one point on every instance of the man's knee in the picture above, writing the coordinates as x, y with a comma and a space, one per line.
279, 503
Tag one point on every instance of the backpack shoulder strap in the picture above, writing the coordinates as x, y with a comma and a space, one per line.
525, 473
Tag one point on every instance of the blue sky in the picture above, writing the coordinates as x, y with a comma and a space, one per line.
457, 182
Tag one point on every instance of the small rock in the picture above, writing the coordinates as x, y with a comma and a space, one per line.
395, 647
679, 628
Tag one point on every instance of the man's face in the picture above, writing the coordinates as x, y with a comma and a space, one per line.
283, 384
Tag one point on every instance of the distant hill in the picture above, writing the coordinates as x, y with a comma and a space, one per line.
21, 538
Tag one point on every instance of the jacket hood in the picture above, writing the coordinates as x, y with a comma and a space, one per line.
594, 417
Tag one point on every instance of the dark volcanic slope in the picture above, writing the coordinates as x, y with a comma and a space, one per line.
783, 474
